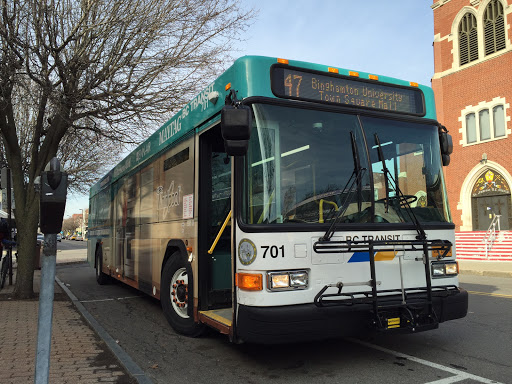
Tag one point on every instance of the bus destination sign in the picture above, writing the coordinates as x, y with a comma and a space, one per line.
309, 86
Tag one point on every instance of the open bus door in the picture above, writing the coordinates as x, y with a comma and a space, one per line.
215, 271
124, 224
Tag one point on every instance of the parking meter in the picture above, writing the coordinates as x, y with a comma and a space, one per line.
54, 184
53, 189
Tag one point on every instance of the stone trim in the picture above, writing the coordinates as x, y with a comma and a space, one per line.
439, 3
456, 67
477, 108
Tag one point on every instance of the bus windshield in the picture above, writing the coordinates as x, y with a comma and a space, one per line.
300, 168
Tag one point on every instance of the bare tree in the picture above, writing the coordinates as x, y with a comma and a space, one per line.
90, 76
69, 225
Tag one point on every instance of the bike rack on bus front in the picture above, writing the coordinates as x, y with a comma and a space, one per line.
383, 300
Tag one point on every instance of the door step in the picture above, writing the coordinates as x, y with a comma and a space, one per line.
220, 319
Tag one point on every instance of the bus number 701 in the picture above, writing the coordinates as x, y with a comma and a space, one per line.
274, 250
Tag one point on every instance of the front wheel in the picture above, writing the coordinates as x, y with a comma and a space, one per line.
175, 297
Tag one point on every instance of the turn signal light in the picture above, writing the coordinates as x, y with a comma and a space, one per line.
352, 73
282, 61
334, 70
249, 281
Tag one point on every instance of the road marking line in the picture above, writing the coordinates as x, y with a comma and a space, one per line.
490, 294
448, 380
459, 375
95, 301
116, 298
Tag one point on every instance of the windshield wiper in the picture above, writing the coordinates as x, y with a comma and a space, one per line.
355, 179
385, 169
357, 170
402, 199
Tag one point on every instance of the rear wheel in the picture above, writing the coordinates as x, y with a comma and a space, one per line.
101, 278
175, 297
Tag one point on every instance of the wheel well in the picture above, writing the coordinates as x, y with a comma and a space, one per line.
172, 247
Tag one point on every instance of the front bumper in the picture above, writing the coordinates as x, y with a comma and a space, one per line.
272, 325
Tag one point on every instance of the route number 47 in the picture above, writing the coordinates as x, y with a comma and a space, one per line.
292, 83
273, 251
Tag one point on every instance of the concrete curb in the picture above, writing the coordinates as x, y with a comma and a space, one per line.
485, 273
133, 369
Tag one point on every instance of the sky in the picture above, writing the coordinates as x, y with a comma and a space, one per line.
392, 38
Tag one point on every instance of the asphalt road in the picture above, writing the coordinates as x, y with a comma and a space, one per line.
476, 349
65, 245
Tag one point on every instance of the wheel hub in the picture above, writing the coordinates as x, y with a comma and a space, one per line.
179, 292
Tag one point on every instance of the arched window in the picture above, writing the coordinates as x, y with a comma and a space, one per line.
468, 39
494, 27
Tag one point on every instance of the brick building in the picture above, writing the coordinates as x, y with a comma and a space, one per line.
473, 88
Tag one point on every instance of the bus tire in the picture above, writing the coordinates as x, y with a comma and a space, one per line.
101, 278
174, 297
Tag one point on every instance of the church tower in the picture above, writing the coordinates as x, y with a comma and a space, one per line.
473, 89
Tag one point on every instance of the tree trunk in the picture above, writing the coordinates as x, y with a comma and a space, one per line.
26, 223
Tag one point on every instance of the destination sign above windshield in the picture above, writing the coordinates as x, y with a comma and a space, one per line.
342, 90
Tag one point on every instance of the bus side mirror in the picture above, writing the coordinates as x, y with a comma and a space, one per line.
235, 125
446, 142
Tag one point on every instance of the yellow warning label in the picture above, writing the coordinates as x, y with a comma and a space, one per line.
394, 322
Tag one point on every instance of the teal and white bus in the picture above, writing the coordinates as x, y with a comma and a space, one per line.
287, 201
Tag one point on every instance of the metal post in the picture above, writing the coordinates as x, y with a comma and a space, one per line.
53, 189
373, 277
44, 328
426, 261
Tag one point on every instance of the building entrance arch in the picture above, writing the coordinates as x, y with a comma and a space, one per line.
490, 196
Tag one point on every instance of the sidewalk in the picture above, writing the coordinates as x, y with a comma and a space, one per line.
485, 268
78, 355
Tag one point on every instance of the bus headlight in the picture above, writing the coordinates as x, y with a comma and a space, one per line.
437, 270
445, 269
287, 280
280, 281
451, 269
299, 279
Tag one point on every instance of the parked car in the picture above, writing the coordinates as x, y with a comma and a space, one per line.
40, 238
73, 237
79, 238
59, 237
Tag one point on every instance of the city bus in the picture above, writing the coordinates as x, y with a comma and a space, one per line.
287, 201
